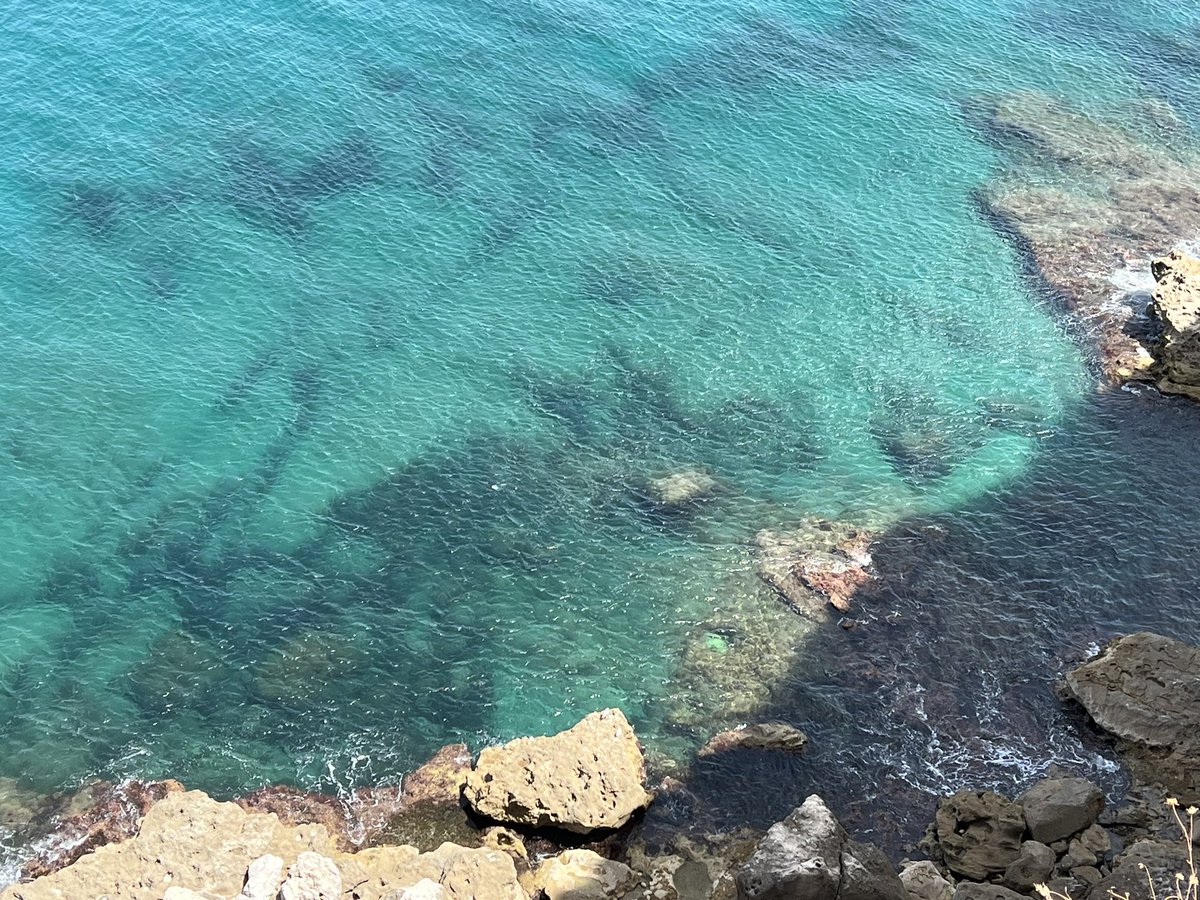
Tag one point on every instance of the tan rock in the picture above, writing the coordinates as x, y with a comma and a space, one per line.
186, 840
1176, 304
586, 778
190, 842
383, 873
584, 875
263, 878
425, 889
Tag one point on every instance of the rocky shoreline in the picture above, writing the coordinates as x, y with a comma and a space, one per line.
576, 816
1091, 204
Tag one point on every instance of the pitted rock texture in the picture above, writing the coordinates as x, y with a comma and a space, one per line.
585, 875
1176, 304
1145, 689
190, 843
979, 833
588, 778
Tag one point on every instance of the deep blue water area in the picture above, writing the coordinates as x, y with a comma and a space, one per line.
343, 342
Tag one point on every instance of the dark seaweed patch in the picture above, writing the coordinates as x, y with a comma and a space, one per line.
96, 208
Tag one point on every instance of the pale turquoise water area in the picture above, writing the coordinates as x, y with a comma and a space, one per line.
341, 338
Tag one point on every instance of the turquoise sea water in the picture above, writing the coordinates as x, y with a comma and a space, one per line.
341, 340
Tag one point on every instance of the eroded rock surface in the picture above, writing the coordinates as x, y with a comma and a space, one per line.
587, 778
980, 833
809, 855
584, 875
1176, 305
777, 736
820, 562
1145, 689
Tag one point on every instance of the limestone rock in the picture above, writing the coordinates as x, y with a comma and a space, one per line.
923, 881
179, 893
263, 878
425, 889
191, 842
584, 875
439, 779
186, 840
762, 736
683, 488
587, 778
979, 833
1176, 304
1034, 866
1056, 808
312, 877
808, 856
99, 814
1145, 689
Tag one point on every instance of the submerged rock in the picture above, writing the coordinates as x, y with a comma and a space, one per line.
816, 563
763, 736
979, 833
682, 488
1145, 689
809, 855
1176, 304
588, 778
1086, 198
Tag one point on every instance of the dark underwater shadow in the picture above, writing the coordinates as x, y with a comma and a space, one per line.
946, 678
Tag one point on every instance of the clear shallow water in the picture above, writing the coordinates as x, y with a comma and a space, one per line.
342, 338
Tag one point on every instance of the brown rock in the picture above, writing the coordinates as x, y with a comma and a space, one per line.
440, 779
587, 778
1145, 690
979, 833
761, 736
1057, 808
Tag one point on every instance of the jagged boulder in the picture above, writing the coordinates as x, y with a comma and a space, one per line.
1056, 808
809, 856
1034, 866
588, 778
923, 881
980, 833
1176, 304
1145, 689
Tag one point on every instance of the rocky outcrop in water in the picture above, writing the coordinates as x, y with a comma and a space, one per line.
1176, 305
775, 736
588, 778
1089, 201
816, 564
1145, 690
